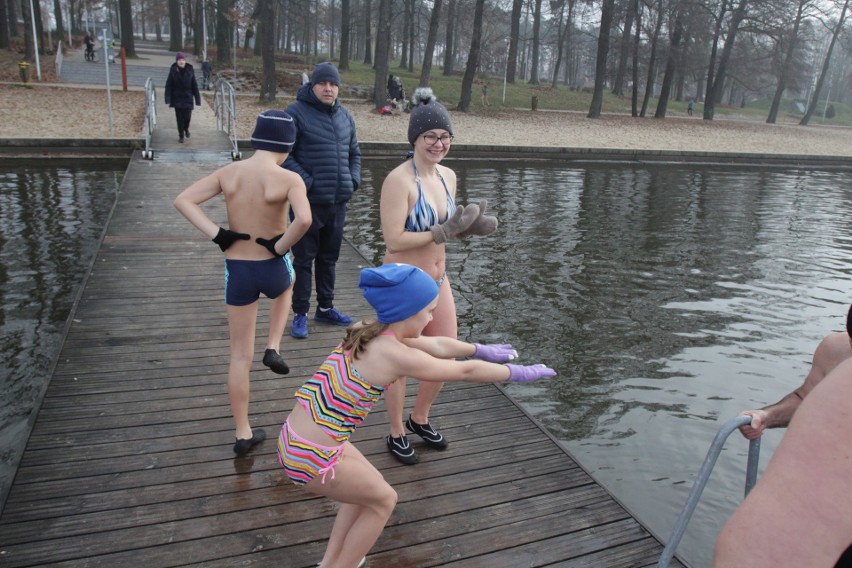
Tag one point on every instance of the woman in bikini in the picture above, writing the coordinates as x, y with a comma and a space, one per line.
418, 215
313, 446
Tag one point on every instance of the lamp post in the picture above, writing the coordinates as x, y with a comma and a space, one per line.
103, 40
35, 40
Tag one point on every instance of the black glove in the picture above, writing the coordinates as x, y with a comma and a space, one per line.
270, 244
226, 237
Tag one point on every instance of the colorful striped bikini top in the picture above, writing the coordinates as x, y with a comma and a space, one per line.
336, 396
423, 215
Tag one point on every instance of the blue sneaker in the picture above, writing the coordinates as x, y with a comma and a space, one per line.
332, 316
300, 326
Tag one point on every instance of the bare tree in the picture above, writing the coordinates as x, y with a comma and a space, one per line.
368, 37
716, 82
126, 24
834, 34
382, 64
4, 25
792, 42
472, 57
536, 43
431, 39
672, 58
345, 28
224, 31
624, 49
607, 9
514, 39
449, 44
652, 59
175, 27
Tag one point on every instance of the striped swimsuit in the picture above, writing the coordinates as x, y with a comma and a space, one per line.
423, 215
338, 400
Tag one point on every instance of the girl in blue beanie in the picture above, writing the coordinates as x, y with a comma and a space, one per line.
313, 446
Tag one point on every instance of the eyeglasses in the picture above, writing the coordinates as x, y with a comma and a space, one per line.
432, 139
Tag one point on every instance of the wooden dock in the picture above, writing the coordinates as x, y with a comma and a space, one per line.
129, 462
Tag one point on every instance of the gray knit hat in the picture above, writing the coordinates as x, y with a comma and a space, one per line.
426, 114
274, 131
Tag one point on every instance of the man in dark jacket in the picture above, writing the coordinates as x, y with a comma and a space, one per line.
327, 156
181, 90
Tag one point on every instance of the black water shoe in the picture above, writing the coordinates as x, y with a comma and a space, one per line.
274, 361
431, 437
241, 447
401, 450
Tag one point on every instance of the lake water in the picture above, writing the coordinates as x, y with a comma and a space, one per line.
667, 298
51, 221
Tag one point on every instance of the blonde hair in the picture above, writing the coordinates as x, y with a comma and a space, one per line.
358, 335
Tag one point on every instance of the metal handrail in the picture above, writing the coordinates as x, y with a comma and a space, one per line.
150, 117
225, 107
701, 480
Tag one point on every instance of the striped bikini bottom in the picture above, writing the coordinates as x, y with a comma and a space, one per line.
304, 460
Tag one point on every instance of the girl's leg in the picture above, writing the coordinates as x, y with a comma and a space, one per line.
241, 323
395, 404
367, 502
444, 323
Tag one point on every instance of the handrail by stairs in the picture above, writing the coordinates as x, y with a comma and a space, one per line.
150, 117
701, 481
224, 106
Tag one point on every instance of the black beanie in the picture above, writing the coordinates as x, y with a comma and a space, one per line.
427, 114
274, 131
325, 72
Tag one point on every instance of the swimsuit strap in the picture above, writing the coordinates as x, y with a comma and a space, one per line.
417, 176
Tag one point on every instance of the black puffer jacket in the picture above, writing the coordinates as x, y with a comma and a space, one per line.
181, 87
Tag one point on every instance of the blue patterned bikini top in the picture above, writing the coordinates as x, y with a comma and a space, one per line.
423, 215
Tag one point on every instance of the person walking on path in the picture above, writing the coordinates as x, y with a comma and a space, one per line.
327, 157
418, 216
834, 349
485, 94
314, 447
690, 106
180, 93
257, 193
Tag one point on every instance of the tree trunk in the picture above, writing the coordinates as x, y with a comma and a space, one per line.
652, 60
383, 32
12, 7
4, 25
345, 28
450, 37
57, 15
672, 59
408, 11
126, 25
472, 57
29, 40
224, 32
560, 36
618, 84
434, 22
514, 39
607, 10
824, 72
536, 41
175, 30
634, 95
368, 34
266, 37
785, 68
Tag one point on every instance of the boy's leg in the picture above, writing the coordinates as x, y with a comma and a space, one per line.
241, 324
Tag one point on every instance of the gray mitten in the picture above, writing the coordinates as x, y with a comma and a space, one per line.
450, 229
482, 225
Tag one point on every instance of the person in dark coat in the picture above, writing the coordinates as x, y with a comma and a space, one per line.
327, 156
181, 92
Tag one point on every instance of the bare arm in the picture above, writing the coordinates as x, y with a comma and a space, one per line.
188, 203
301, 222
798, 513
441, 347
418, 364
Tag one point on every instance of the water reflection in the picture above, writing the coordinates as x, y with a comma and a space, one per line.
668, 298
51, 219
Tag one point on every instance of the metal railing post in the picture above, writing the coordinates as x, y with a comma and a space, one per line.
225, 108
701, 481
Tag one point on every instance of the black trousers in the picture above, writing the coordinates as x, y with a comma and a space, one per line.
183, 116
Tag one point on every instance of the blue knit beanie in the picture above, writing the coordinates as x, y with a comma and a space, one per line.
325, 72
274, 131
397, 291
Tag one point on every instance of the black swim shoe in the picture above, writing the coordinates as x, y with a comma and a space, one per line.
401, 450
431, 437
274, 361
241, 447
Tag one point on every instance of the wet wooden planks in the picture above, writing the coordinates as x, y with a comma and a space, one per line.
130, 463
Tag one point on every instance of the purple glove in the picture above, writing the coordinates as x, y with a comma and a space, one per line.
529, 373
495, 352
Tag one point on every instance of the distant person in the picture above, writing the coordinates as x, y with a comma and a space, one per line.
690, 106
328, 158
305, 78
90, 46
314, 446
181, 89
485, 94
257, 193
834, 349
207, 72
419, 216
797, 515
